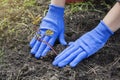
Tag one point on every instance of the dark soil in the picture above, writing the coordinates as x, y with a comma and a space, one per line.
18, 64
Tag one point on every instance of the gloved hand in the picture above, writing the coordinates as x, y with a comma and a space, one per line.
84, 47
54, 21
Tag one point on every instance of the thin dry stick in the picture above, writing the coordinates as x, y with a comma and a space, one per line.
116, 62
113, 63
39, 39
90, 69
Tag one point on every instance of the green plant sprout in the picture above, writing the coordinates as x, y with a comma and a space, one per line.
39, 37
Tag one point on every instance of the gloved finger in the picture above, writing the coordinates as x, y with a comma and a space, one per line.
65, 54
70, 43
70, 57
62, 39
42, 47
32, 42
79, 58
35, 47
68, 48
51, 42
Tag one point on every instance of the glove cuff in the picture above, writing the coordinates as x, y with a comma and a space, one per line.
103, 29
56, 11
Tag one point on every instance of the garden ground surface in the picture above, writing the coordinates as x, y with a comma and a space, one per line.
16, 63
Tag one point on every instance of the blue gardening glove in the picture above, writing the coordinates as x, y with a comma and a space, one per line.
84, 47
53, 21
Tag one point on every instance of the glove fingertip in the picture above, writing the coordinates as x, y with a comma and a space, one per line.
37, 56
32, 51
63, 42
72, 64
62, 39
70, 43
61, 64
55, 63
32, 42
